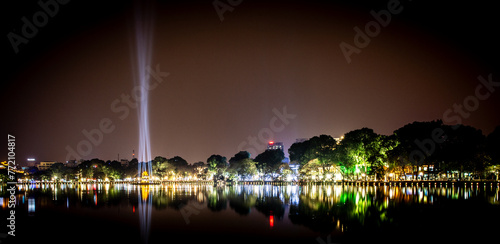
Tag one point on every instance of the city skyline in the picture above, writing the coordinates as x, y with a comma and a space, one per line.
419, 144
275, 70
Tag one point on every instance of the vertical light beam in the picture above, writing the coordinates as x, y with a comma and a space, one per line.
143, 53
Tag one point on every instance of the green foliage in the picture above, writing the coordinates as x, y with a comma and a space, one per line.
450, 149
200, 170
217, 165
268, 162
297, 152
361, 151
317, 155
243, 168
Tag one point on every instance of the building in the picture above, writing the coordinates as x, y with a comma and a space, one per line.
45, 165
31, 162
72, 163
280, 146
124, 162
294, 166
275, 146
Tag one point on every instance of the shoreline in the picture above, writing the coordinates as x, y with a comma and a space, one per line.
423, 183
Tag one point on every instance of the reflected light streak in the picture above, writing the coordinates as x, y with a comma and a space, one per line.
31, 205
144, 208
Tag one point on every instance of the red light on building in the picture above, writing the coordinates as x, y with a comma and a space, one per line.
271, 142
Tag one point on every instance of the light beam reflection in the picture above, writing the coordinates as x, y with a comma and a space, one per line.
144, 208
143, 53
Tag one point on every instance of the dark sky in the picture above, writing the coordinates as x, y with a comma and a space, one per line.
227, 77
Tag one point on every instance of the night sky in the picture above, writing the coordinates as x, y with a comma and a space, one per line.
227, 79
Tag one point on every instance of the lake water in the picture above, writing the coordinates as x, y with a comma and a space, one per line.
192, 213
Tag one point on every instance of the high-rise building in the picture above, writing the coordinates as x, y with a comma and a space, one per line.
124, 162
31, 162
278, 146
45, 165
275, 145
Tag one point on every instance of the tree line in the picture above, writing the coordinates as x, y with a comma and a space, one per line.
432, 147
239, 167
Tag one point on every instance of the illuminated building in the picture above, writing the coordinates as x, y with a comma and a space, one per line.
71, 163
31, 162
275, 146
124, 162
294, 166
45, 165
278, 146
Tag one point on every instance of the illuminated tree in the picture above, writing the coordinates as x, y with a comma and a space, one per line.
358, 151
297, 152
493, 150
160, 165
322, 148
244, 168
241, 166
178, 166
269, 162
316, 154
310, 171
58, 171
239, 156
379, 159
200, 170
217, 165
285, 171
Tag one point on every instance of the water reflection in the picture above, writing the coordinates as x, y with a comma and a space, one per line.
145, 205
323, 209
